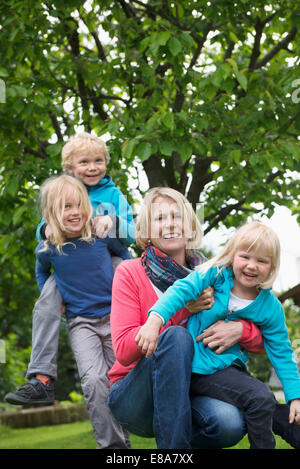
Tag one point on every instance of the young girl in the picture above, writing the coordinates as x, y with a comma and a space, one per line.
242, 275
83, 273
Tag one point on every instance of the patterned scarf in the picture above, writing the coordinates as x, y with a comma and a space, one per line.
163, 271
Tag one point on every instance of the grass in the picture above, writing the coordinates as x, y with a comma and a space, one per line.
77, 436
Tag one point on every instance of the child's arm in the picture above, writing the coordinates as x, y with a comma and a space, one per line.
39, 230
175, 298
147, 337
118, 249
124, 220
180, 293
42, 267
279, 350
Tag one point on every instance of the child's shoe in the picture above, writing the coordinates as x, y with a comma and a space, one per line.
34, 392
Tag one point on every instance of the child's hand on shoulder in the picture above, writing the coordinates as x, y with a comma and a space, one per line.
295, 411
102, 225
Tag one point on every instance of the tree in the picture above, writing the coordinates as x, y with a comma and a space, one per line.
201, 94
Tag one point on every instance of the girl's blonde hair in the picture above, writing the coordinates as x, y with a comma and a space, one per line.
54, 192
253, 236
81, 143
192, 227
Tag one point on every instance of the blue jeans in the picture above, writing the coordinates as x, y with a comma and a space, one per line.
153, 400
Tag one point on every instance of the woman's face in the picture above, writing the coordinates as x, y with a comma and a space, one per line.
166, 228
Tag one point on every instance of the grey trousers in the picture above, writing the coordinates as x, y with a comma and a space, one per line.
92, 347
45, 331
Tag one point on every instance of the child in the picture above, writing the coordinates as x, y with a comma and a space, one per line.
83, 273
242, 275
86, 157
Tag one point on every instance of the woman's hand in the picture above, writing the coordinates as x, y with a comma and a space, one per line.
221, 335
147, 337
205, 301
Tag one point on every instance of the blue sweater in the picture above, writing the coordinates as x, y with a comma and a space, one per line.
83, 273
106, 199
265, 311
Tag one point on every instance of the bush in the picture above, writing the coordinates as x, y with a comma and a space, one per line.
15, 364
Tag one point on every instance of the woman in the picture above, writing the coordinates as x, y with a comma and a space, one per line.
150, 396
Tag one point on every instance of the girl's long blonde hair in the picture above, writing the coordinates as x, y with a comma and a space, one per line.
53, 195
252, 236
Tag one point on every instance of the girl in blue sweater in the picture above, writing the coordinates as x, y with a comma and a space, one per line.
241, 275
83, 273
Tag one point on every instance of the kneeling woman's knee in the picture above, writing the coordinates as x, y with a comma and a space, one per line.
178, 338
177, 335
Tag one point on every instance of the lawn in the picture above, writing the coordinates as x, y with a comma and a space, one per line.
76, 436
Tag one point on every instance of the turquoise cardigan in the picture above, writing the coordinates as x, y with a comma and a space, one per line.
265, 311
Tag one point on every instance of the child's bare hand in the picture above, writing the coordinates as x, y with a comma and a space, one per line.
295, 411
147, 337
102, 225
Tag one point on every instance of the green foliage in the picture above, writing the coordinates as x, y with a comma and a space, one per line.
16, 361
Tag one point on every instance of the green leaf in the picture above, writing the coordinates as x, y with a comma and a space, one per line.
3, 72
168, 121
18, 214
143, 151
166, 147
174, 46
233, 64
233, 37
185, 151
236, 155
163, 37
242, 79
128, 147
12, 186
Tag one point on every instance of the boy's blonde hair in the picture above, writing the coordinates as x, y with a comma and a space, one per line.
82, 142
254, 236
54, 192
192, 227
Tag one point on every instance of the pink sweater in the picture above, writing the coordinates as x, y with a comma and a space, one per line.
132, 297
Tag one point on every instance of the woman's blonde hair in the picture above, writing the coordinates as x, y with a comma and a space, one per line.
254, 236
192, 227
54, 193
81, 143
